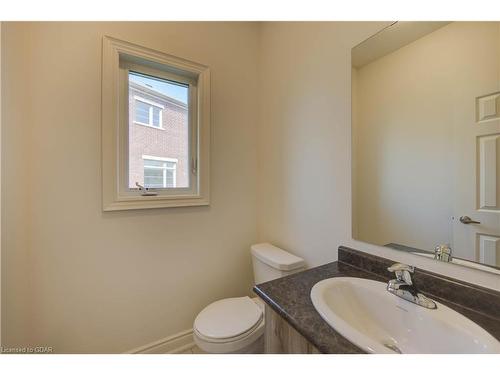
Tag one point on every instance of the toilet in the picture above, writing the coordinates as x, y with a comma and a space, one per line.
236, 325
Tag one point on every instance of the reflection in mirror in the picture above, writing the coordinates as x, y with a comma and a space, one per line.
426, 141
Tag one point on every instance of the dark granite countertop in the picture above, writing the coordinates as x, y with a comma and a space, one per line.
290, 298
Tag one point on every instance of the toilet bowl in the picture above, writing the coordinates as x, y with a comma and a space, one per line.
231, 325
236, 325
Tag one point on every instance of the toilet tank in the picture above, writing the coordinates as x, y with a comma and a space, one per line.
271, 262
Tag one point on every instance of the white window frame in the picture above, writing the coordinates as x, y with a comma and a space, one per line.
151, 105
118, 58
166, 160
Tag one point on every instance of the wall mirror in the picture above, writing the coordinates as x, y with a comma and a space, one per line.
426, 141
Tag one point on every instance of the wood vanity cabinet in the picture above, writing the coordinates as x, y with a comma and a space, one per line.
282, 338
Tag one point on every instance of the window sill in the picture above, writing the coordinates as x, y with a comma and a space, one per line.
144, 202
148, 125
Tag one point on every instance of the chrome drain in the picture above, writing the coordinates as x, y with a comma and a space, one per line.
394, 348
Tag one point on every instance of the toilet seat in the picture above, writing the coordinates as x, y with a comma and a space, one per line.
229, 325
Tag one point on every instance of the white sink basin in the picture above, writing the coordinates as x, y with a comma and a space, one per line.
379, 322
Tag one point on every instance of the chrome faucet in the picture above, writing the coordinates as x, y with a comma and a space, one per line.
443, 253
402, 286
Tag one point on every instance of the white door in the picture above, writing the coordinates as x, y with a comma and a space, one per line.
477, 145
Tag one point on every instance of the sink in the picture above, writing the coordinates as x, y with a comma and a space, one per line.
377, 321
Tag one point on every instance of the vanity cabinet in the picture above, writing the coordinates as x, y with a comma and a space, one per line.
282, 338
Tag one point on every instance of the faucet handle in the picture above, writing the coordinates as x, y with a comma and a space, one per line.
443, 253
402, 272
401, 267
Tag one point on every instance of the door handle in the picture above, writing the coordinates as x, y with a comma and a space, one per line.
468, 220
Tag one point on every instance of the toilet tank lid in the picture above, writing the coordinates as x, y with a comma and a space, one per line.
276, 257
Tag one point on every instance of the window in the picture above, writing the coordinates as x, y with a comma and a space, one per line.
145, 112
159, 173
152, 99
156, 129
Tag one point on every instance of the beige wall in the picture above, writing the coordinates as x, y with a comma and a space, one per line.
304, 135
81, 280
0, 181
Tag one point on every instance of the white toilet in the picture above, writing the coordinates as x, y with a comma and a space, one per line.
236, 325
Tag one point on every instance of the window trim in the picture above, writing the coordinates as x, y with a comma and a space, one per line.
116, 195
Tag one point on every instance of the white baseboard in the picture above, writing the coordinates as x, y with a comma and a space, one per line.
177, 343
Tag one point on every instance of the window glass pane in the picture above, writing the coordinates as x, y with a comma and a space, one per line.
156, 117
142, 112
170, 179
153, 178
159, 174
169, 141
